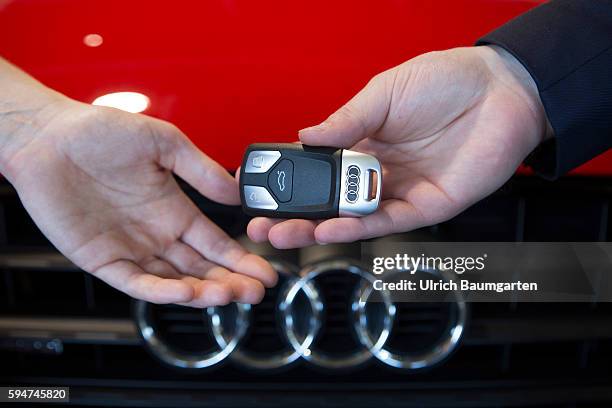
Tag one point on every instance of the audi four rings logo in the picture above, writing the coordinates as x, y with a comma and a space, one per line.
352, 183
301, 344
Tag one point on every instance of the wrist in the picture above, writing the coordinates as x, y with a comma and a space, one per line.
509, 71
24, 119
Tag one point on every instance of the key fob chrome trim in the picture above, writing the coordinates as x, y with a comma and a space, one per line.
360, 184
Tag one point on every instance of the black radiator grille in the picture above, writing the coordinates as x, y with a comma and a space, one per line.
507, 346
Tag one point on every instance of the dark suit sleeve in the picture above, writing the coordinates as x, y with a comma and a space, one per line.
566, 45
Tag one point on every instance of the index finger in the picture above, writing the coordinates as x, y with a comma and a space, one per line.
215, 245
392, 216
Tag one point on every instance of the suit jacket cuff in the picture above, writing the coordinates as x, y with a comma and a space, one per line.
566, 46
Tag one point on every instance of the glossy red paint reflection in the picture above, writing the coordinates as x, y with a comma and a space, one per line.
230, 73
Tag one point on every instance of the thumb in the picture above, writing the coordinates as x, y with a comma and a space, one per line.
184, 159
359, 118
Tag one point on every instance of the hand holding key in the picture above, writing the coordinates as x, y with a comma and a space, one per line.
448, 127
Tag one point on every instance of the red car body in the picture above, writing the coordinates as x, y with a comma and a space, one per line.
234, 72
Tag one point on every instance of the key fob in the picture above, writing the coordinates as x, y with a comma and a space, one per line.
291, 180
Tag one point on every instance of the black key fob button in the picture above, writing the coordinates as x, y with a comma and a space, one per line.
280, 180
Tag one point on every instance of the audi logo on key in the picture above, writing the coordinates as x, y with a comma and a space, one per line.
352, 183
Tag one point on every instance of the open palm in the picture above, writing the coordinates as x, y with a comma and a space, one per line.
99, 183
448, 127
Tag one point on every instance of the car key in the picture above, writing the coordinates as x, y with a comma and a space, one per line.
291, 180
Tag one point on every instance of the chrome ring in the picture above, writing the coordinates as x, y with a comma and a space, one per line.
304, 346
179, 359
440, 350
278, 359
